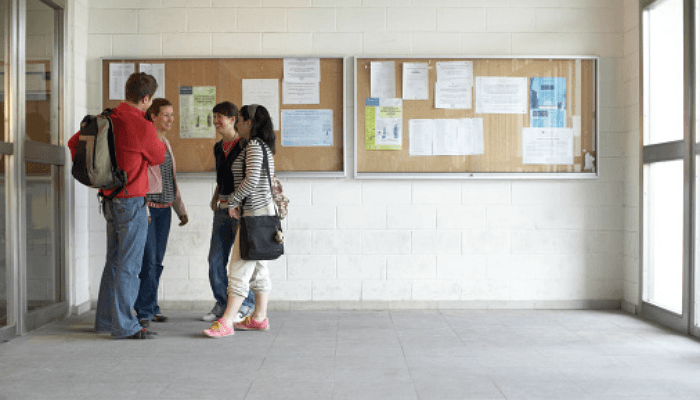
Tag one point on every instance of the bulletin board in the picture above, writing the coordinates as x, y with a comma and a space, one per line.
227, 75
515, 144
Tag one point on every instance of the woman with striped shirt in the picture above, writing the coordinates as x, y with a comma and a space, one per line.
254, 195
162, 195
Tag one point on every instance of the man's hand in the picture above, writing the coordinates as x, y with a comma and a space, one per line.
215, 201
183, 220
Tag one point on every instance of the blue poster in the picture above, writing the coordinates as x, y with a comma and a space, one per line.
548, 102
302, 128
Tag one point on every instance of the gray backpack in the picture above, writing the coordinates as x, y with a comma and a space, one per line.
95, 161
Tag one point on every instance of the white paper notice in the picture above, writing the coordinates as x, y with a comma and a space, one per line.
265, 92
455, 71
415, 81
499, 95
446, 137
451, 95
118, 74
158, 72
307, 128
302, 69
300, 92
420, 137
383, 79
474, 136
576, 124
548, 146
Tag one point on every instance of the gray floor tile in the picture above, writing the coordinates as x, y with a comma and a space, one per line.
470, 354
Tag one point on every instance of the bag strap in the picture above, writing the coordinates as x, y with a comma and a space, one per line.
266, 165
269, 180
112, 154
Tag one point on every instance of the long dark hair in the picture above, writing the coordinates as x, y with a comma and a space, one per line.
261, 127
156, 106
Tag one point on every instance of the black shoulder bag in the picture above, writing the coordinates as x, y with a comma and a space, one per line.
261, 237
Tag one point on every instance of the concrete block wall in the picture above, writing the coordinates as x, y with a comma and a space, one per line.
76, 107
398, 243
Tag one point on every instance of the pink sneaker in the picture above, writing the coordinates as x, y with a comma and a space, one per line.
218, 329
249, 324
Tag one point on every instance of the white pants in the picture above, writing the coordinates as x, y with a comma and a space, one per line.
245, 275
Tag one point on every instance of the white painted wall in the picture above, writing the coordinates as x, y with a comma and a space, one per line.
631, 99
354, 243
80, 271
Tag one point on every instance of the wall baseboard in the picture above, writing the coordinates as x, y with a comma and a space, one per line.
205, 306
82, 308
630, 307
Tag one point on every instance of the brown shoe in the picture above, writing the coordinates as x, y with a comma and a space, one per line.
160, 318
143, 334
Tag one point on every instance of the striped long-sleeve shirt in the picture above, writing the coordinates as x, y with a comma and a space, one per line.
250, 178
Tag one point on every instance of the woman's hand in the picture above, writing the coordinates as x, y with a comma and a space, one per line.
234, 213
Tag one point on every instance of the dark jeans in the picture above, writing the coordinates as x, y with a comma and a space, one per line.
222, 236
127, 228
152, 267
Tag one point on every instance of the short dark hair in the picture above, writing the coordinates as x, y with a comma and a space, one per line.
226, 108
140, 85
262, 127
156, 106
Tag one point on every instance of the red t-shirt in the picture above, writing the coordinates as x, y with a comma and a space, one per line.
136, 145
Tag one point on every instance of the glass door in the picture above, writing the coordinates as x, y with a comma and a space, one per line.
32, 158
7, 290
666, 201
44, 158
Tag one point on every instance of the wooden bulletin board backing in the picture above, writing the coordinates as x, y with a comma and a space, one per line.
196, 155
502, 132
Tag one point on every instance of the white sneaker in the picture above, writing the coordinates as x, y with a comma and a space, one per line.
239, 317
210, 317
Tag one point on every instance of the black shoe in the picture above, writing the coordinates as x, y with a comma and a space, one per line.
143, 334
144, 322
160, 318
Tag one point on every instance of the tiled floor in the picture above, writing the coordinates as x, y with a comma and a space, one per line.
404, 355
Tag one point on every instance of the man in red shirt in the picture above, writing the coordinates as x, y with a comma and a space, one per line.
137, 147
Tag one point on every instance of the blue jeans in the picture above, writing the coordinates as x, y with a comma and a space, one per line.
146, 305
222, 237
127, 228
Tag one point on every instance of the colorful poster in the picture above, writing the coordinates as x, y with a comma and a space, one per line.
196, 116
383, 123
548, 102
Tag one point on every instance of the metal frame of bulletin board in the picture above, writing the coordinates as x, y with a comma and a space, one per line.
548, 127
322, 159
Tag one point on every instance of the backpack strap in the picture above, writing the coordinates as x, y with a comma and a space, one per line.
112, 154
